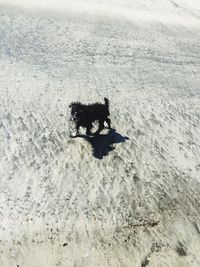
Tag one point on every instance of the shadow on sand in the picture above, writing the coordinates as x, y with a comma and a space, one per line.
103, 144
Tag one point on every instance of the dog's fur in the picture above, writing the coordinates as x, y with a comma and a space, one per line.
85, 115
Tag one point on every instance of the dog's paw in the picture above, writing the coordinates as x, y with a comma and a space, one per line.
96, 134
72, 136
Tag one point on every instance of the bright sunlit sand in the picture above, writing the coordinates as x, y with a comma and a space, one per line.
129, 197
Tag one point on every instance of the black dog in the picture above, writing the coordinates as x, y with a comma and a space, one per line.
85, 115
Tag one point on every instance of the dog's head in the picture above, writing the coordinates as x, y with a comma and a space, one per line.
76, 110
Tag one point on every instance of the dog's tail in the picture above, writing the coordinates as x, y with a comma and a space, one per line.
106, 102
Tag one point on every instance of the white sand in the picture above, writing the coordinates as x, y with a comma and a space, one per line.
63, 204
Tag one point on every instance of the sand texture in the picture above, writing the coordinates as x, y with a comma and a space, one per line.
131, 196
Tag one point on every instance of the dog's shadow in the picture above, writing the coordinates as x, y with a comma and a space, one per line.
103, 144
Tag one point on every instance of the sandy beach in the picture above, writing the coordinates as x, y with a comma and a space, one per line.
131, 196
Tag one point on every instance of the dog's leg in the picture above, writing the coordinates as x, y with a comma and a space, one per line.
89, 127
101, 126
108, 121
77, 129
